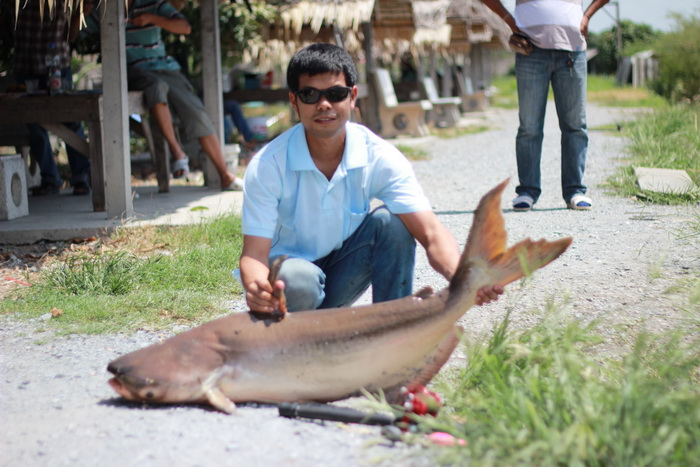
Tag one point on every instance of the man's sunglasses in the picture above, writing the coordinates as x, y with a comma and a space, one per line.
334, 94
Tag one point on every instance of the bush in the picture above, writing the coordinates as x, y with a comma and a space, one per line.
635, 37
679, 61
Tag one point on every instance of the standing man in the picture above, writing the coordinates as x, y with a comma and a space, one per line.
308, 194
37, 37
557, 30
151, 70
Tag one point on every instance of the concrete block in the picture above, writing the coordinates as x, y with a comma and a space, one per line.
13, 187
664, 180
475, 102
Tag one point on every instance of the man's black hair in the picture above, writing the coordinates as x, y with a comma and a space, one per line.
320, 58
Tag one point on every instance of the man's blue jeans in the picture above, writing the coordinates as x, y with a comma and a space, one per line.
232, 108
567, 72
381, 252
40, 144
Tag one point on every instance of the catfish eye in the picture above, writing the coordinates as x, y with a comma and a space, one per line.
149, 395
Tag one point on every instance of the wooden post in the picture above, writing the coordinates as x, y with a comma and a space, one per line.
211, 79
115, 134
370, 114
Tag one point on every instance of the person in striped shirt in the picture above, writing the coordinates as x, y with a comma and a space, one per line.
557, 30
151, 70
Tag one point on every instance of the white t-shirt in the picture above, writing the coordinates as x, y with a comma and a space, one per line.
552, 24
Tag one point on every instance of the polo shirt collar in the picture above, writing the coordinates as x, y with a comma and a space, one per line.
354, 156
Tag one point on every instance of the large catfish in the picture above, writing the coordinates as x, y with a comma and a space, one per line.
326, 355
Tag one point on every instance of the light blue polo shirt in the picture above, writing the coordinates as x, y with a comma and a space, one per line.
287, 199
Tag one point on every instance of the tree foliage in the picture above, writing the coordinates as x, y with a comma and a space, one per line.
635, 37
238, 27
679, 60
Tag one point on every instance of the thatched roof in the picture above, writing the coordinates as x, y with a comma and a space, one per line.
347, 14
421, 22
472, 22
303, 22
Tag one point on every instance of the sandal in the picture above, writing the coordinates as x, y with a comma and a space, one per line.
81, 189
523, 203
236, 185
181, 167
580, 202
46, 188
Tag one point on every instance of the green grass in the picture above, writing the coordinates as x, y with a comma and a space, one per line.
143, 278
457, 131
413, 153
601, 89
546, 396
506, 96
668, 138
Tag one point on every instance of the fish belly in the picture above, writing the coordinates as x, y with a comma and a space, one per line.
332, 370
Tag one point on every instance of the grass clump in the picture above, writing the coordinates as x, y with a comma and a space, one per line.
110, 274
668, 138
542, 397
149, 277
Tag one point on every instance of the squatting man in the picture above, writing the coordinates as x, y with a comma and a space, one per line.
307, 195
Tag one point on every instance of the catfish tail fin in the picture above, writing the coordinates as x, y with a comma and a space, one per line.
486, 246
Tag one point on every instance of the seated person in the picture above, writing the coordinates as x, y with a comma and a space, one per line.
34, 36
151, 70
233, 108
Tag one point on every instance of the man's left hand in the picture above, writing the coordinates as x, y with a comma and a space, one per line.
141, 20
584, 26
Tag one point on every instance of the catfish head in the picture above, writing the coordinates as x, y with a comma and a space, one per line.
180, 371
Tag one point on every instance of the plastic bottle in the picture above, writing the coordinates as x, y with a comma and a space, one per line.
53, 66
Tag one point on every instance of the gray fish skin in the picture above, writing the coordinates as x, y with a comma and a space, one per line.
327, 355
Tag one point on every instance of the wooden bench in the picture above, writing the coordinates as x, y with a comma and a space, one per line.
471, 101
398, 118
445, 113
17, 135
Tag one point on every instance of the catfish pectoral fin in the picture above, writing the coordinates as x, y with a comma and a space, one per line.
220, 401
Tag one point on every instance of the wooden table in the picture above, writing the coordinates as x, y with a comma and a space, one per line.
52, 112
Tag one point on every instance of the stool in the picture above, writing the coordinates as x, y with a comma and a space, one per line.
13, 187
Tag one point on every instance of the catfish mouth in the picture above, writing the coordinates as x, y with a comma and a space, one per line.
130, 386
119, 388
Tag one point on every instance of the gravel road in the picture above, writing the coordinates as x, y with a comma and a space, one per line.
57, 410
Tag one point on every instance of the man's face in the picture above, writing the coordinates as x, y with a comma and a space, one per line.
323, 119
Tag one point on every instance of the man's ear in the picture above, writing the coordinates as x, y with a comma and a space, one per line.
294, 103
353, 96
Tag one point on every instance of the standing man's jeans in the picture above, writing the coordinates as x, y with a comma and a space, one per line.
567, 72
380, 252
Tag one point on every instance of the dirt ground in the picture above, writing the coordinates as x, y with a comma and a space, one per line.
625, 268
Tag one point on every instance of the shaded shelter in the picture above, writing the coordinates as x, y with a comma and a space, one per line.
114, 104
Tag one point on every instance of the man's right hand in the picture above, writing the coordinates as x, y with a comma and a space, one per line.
263, 297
